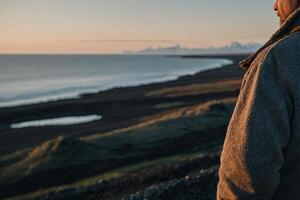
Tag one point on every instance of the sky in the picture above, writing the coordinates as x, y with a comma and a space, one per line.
112, 26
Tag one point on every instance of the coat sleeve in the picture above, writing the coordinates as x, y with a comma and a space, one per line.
259, 129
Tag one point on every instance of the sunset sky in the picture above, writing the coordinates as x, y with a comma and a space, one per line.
111, 26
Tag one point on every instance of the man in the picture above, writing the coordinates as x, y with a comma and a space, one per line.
261, 153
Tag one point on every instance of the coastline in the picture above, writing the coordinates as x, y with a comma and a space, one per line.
152, 138
145, 69
120, 107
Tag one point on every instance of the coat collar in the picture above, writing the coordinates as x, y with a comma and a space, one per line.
291, 25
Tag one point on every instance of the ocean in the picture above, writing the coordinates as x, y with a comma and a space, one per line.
29, 79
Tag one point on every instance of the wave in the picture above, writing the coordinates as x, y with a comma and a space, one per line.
74, 89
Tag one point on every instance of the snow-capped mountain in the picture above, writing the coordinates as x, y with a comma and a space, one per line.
232, 48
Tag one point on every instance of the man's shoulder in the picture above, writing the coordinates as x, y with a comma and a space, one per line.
289, 45
284, 55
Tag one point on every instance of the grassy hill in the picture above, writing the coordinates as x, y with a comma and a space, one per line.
67, 160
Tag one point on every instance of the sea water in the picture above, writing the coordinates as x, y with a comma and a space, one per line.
28, 79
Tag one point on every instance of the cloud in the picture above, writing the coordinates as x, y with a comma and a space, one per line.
127, 41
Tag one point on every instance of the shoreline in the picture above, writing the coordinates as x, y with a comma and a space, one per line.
119, 106
93, 89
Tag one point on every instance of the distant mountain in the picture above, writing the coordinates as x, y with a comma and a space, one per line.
232, 48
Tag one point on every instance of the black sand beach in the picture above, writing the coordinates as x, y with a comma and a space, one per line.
120, 107
189, 117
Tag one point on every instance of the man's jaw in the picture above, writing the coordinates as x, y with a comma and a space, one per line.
281, 21
281, 18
